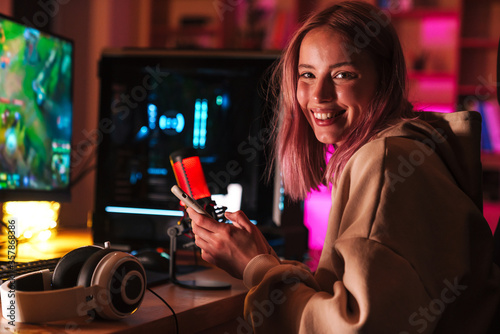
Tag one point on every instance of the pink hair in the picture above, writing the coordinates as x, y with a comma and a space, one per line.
300, 156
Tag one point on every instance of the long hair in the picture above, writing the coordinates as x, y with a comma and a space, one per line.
300, 156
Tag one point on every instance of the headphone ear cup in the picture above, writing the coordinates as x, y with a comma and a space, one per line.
122, 279
87, 270
68, 268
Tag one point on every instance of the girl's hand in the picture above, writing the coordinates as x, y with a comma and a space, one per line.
228, 246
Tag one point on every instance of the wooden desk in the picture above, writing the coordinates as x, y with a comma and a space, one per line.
198, 311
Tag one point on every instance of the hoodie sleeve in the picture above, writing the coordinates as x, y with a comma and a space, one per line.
395, 256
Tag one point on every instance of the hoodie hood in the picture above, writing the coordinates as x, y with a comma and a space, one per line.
456, 138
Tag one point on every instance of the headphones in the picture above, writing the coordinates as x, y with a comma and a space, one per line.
91, 280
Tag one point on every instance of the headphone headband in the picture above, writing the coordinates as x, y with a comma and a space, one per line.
44, 305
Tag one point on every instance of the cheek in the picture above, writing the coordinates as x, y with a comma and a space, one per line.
302, 95
357, 95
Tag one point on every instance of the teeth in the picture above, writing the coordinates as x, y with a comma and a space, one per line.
323, 116
327, 115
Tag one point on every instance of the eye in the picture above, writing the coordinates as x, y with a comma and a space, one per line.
306, 75
344, 75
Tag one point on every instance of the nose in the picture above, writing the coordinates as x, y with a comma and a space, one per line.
324, 90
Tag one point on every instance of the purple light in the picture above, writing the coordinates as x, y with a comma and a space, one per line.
444, 108
316, 211
439, 31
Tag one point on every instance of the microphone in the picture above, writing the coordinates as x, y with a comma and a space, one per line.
189, 173
190, 178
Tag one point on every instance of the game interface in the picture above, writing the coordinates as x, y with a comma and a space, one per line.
35, 108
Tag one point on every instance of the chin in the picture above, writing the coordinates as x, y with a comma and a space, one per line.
329, 140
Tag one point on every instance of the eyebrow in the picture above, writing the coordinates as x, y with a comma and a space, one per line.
330, 67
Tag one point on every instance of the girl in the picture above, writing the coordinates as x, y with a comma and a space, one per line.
407, 248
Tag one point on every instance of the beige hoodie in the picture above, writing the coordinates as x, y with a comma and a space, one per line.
407, 248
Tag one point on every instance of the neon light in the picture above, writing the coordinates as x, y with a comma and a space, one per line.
175, 123
225, 101
152, 113
143, 132
208, 159
152, 108
157, 171
164, 122
219, 100
203, 123
180, 123
143, 211
134, 177
197, 123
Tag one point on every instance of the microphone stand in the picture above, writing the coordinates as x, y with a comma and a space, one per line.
187, 167
173, 232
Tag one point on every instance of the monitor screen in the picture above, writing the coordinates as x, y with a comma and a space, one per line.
36, 70
156, 102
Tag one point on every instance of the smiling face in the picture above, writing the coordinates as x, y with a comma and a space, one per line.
334, 90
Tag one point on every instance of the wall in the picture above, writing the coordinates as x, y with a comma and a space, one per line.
6, 7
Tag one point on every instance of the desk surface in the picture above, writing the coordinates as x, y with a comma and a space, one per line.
206, 311
197, 311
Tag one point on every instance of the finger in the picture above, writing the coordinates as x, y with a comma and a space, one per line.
240, 220
201, 233
207, 257
197, 228
202, 221
202, 243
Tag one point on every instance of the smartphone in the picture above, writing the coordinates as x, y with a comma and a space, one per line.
188, 201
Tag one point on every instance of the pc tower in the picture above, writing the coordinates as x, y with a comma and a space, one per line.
155, 102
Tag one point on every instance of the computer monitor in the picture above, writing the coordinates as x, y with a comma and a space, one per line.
155, 102
36, 104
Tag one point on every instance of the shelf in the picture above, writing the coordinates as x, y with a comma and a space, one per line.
490, 160
186, 31
479, 43
477, 89
420, 13
423, 75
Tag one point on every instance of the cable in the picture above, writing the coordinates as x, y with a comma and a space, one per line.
171, 309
